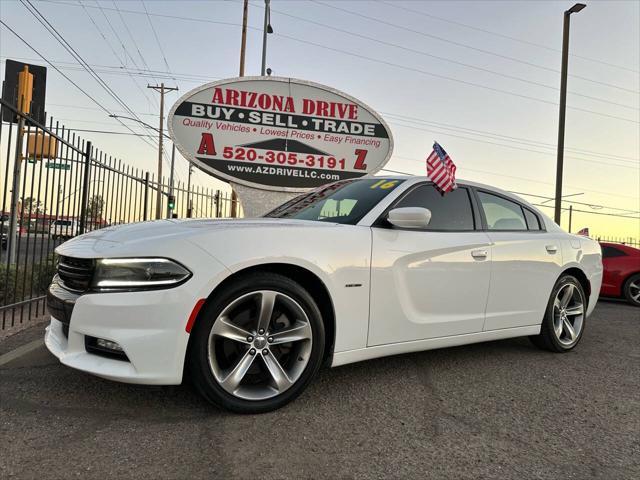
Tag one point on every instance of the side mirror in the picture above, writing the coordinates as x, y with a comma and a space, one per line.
409, 217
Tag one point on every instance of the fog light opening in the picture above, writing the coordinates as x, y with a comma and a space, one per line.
104, 348
108, 345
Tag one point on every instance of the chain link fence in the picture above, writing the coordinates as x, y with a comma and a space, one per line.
55, 185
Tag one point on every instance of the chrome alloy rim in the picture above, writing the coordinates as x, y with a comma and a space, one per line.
634, 291
259, 345
568, 314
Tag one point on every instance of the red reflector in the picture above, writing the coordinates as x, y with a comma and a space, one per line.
194, 314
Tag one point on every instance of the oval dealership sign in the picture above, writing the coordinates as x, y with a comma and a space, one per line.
278, 133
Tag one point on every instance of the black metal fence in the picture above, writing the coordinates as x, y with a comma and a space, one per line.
55, 185
632, 242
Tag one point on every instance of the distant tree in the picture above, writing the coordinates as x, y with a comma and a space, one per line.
95, 208
32, 206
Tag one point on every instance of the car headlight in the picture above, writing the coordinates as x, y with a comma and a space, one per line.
137, 274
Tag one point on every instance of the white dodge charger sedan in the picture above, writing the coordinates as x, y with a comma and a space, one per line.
250, 309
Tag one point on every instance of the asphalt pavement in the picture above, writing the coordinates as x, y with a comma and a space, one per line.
495, 410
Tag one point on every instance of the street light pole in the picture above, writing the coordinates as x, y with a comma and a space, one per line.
173, 163
266, 30
563, 108
189, 207
243, 39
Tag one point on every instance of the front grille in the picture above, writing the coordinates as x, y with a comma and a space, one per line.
75, 273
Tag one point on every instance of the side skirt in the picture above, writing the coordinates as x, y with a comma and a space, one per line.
351, 356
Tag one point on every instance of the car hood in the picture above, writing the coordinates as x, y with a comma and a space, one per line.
159, 231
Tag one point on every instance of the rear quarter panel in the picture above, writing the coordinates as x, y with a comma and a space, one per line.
585, 254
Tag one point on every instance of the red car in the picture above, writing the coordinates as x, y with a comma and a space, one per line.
621, 272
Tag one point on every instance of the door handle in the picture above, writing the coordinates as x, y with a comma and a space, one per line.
551, 248
479, 253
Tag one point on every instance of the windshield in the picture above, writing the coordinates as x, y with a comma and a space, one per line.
341, 202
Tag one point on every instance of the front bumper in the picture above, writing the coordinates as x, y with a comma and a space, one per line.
149, 326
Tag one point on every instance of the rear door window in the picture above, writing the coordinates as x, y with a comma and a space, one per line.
533, 222
502, 214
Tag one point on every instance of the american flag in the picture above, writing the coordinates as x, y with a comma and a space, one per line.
441, 169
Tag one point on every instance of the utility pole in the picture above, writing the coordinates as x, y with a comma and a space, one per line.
243, 48
563, 107
162, 89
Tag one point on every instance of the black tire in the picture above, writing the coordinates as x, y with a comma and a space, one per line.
547, 339
627, 289
199, 370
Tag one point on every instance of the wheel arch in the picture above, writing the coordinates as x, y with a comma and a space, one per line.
581, 277
307, 279
625, 280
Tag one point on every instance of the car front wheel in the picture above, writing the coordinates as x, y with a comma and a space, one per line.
632, 290
257, 345
565, 317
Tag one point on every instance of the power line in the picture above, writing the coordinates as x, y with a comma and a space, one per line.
587, 211
501, 35
118, 39
133, 40
233, 24
101, 33
155, 34
464, 45
122, 70
58, 36
452, 79
525, 141
102, 107
512, 147
541, 205
392, 64
110, 132
574, 202
599, 192
633, 160
448, 60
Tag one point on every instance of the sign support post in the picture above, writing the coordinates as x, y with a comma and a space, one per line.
25, 92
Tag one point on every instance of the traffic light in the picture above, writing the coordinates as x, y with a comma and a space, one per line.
172, 202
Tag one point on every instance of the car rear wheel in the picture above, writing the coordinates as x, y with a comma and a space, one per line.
632, 290
257, 345
565, 317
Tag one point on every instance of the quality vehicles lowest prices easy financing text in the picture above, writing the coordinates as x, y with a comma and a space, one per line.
353, 270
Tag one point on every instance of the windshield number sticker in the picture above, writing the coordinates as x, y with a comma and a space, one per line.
384, 184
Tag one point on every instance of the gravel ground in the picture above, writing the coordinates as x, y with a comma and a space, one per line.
494, 410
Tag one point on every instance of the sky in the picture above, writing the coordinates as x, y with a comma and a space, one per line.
482, 78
